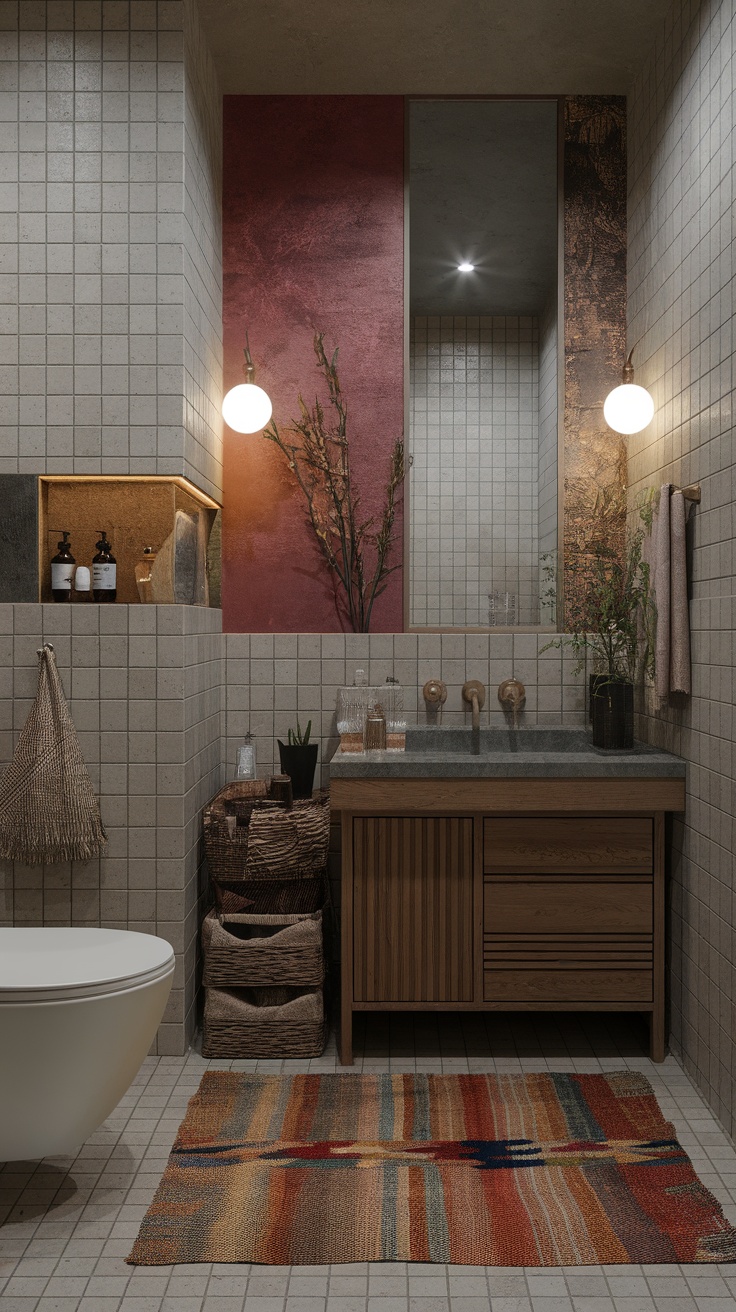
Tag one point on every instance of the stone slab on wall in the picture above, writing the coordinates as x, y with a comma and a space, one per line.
681, 172
144, 685
595, 331
18, 537
313, 231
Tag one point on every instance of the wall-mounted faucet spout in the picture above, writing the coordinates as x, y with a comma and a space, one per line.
474, 694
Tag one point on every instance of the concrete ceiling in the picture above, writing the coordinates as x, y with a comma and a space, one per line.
483, 188
430, 47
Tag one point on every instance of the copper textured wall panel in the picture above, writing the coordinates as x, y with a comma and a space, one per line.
595, 328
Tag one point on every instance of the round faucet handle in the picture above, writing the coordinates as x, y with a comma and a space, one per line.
435, 692
511, 692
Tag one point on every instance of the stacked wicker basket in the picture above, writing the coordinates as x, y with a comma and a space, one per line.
264, 958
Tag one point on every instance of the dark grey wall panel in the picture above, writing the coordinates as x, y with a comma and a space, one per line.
18, 537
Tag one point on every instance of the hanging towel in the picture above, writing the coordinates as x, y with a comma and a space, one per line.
669, 581
679, 611
48, 810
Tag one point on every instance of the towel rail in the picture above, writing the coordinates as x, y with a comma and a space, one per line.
690, 493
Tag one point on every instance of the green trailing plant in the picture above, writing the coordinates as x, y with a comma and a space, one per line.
298, 739
356, 550
611, 617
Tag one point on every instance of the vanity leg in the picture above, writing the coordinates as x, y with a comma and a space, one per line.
346, 942
656, 1035
657, 1030
346, 1036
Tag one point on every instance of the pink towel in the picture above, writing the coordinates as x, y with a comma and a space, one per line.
669, 580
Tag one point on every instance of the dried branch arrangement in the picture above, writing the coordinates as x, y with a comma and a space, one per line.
356, 550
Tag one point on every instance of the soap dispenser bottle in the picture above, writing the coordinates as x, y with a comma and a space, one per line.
62, 569
104, 571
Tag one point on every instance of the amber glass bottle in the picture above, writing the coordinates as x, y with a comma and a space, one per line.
104, 571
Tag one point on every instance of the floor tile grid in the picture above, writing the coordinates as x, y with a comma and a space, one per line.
69, 1257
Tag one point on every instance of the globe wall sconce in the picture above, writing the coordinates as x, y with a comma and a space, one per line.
247, 408
629, 407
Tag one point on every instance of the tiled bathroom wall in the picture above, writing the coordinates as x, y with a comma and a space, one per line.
681, 176
270, 679
474, 431
144, 685
202, 259
110, 322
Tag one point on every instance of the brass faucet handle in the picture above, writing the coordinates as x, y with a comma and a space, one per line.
471, 687
511, 692
435, 692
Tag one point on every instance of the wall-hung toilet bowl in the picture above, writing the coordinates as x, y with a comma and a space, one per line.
79, 1009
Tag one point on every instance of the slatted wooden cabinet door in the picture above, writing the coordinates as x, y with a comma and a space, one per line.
412, 909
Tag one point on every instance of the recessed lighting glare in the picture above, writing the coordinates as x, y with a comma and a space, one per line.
465, 267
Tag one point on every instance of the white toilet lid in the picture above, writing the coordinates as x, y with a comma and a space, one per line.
56, 964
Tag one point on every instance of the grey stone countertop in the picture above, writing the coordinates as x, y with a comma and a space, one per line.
505, 753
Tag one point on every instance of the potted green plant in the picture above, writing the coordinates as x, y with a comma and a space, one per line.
299, 760
611, 622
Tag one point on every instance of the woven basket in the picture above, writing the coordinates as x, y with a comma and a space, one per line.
248, 950
275, 1022
268, 840
272, 897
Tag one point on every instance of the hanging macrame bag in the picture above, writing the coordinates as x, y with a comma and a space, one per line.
48, 809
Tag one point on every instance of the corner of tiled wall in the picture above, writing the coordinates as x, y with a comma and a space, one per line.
144, 685
680, 316
110, 277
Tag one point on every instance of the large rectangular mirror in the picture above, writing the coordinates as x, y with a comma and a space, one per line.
484, 328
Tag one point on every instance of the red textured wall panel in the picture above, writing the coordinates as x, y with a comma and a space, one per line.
312, 241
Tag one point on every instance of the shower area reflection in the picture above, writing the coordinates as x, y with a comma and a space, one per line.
483, 357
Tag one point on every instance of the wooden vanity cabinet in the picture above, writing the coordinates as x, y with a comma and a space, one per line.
568, 909
501, 909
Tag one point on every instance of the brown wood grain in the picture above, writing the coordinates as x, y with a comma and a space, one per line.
533, 986
658, 1024
412, 909
599, 844
559, 906
630, 796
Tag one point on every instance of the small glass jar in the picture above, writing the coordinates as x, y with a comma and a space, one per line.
245, 759
375, 729
392, 696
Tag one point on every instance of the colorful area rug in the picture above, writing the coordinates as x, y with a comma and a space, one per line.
507, 1170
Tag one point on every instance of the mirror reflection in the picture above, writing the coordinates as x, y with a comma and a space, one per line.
483, 422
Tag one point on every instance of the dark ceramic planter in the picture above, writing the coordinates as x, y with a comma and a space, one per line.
613, 715
299, 763
595, 681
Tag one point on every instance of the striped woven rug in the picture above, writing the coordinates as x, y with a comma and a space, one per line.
492, 1170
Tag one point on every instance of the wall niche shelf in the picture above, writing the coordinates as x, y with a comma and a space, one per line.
135, 512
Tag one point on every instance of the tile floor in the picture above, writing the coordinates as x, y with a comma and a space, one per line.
68, 1224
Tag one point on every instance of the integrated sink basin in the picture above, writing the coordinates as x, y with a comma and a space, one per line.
549, 751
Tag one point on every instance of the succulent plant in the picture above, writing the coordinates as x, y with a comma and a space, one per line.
297, 738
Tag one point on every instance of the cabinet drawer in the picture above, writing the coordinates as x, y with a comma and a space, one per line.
541, 985
593, 845
567, 906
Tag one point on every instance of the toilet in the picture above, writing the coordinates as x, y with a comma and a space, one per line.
79, 1009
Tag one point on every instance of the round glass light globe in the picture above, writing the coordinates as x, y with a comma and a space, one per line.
246, 408
628, 408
